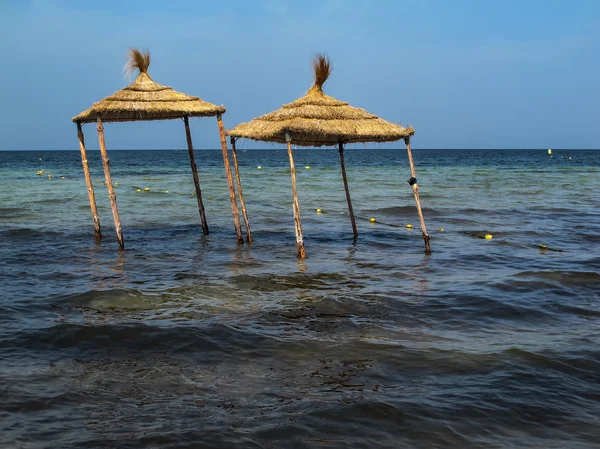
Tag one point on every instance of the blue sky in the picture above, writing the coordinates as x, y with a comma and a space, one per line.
464, 73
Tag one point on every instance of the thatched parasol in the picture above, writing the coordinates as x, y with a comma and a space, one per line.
146, 100
317, 119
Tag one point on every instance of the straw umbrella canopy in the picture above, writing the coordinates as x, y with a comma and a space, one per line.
146, 100
316, 120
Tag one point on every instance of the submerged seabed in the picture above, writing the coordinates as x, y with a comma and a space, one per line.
186, 340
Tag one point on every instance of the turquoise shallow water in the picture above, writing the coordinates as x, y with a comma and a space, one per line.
185, 340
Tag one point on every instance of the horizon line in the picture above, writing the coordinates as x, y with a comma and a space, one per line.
317, 148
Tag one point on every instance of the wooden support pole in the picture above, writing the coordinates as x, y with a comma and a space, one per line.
239, 186
352, 219
111, 191
415, 188
188, 136
88, 181
234, 207
297, 222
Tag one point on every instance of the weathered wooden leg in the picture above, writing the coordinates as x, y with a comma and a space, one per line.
239, 186
234, 207
297, 222
88, 182
415, 188
341, 150
188, 136
111, 191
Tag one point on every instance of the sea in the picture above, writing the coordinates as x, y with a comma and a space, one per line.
185, 340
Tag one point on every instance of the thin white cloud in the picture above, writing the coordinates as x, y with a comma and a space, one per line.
279, 7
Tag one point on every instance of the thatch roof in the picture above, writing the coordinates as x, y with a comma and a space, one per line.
317, 119
146, 100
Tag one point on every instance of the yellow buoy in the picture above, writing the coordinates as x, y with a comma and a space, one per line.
40, 172
319, 211
372, 220
549, 151
307, 167
542, 246
166, 191
441, 229
49, 176
138, 190
489, 236
146, 189
259, 167
116, 184
409, 226
62, 177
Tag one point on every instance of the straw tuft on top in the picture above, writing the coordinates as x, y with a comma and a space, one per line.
146, 99
322, 68
316, 119
138, 61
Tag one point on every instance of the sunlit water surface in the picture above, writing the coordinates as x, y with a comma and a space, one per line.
185, 340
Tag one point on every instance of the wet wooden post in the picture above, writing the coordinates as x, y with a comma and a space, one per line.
350, 210
234, 207
239, 186
188, 136
111, 191
415, 188
88, 181
298, 224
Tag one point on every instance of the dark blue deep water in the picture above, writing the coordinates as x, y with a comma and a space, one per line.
191, 341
